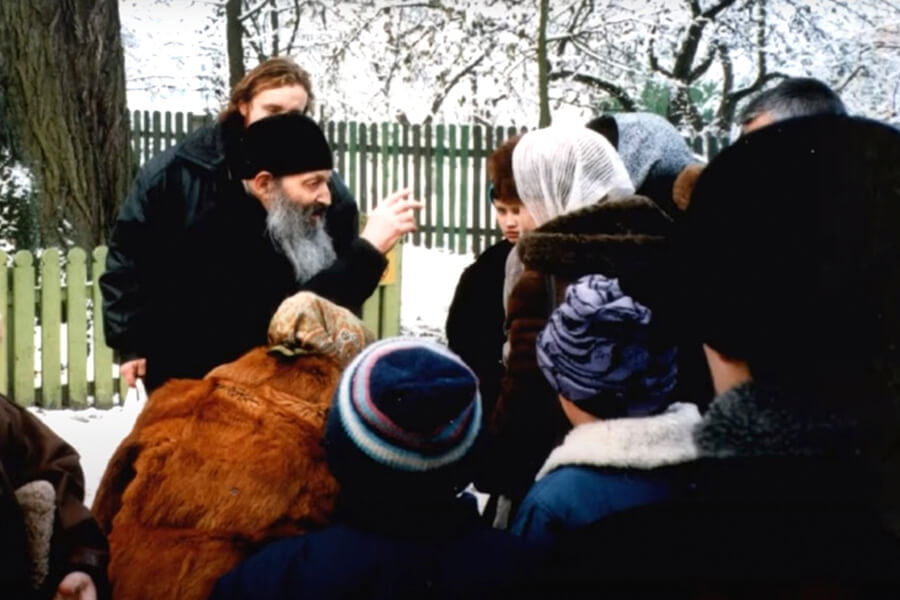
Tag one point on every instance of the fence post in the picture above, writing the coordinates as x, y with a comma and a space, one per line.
23, 328
51, 317
103, 379
429, 187
76, 328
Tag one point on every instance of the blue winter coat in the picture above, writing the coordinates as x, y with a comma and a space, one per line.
440, 552
607, 467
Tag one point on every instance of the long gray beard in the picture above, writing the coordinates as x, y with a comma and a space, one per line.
306, 244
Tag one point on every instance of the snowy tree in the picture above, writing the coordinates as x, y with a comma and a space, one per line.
695, 61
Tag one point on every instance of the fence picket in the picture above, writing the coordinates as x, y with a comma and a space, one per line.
23, 328
362, 194
351, 150
439, 154
429, 171
76, 328
417, 179
452, 220
462, 225
476, 189
51, 317
103, 359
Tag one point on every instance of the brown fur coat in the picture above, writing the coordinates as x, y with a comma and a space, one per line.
625, 238
214, 467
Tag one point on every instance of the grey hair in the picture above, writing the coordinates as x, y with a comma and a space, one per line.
795, 97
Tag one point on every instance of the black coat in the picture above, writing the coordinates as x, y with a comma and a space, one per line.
781, 504
476, 321
405, 552
192, 277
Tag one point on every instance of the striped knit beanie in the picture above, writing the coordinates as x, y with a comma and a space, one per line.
406, 415
599, 351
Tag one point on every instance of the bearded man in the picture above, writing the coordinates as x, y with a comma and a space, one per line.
198, 286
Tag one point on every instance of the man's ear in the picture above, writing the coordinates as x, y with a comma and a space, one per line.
262, 186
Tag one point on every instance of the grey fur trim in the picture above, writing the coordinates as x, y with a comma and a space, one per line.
37, 499
751, 421
632, 443
597, 238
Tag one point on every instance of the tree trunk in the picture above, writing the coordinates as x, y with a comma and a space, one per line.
234, 33
63, 73
543, 67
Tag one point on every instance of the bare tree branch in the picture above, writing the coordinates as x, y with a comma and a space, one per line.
439, 99
612, 89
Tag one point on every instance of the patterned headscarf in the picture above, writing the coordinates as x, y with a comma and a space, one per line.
308, 324
599, 351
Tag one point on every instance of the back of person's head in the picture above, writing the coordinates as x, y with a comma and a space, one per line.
561, 169
794, 97
790, 258
602, 351
500, 172
404, 424
275, 72
650, 146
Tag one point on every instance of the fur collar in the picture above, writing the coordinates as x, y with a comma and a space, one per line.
596, 238
631, 443
751, 420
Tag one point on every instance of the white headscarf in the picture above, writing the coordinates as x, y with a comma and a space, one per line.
561, 169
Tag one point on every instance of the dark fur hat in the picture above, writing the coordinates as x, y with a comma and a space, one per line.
789, 250
285, 144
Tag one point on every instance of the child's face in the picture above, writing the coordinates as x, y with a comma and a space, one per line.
513, 219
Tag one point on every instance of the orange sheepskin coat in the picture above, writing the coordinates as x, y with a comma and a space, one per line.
212, 468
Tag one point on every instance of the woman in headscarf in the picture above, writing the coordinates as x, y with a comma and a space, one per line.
579, 193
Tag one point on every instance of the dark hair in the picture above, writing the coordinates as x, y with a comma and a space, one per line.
272, 73
795, 97
500, 172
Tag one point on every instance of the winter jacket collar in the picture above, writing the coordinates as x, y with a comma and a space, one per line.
630, 443
596, 239
751, 420
208, 146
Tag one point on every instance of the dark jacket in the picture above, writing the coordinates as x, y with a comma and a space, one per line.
192, 277
476, 321
403, 552
780, 504
625, 239
31, 452
608, 467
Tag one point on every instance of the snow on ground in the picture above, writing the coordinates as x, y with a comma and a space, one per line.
428, 280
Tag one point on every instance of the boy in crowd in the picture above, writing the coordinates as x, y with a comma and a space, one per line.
475, 323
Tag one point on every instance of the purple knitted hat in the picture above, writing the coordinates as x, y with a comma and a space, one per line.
599, 351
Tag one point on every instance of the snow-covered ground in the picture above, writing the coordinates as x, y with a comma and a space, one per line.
428, 281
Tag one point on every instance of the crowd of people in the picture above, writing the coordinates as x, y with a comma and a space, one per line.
671, 378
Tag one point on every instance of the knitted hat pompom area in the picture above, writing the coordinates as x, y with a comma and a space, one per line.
406, 415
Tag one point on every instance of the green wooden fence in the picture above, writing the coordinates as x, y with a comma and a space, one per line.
53, 352
444, 165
